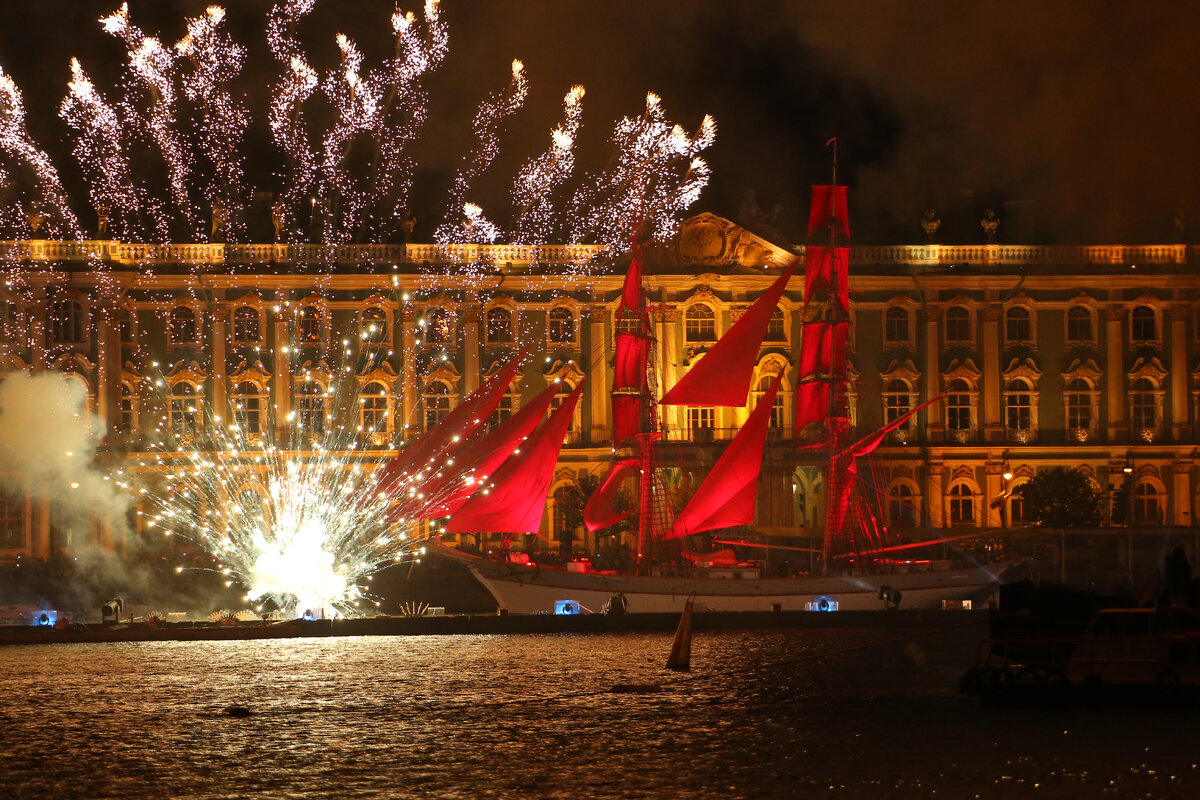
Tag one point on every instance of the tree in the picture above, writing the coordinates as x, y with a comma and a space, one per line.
1060, 498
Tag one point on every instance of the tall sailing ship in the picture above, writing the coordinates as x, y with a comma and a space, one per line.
497, 480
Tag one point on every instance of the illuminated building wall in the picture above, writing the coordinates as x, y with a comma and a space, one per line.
1073, 356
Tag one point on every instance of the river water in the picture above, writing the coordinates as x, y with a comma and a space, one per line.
804, 713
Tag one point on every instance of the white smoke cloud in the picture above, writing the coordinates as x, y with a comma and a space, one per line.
48, 445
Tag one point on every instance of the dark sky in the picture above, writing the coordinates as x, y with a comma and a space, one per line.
1076, 120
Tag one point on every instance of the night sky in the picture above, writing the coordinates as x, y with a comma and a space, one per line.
1077, 121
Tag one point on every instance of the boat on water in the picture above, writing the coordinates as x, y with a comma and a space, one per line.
497, 481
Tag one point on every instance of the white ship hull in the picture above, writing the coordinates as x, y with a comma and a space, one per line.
529, 589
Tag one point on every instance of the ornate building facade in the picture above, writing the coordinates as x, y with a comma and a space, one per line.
1083, 357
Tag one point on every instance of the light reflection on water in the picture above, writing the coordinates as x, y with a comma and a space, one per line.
530, 716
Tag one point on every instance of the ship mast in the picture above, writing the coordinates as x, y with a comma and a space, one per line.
836, 494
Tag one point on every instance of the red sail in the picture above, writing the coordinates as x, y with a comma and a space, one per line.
825, 214
463, 420
726, 497
480, 458
630, 368
599, 512
516, 497
627, 411
819, 271
814, 349
812, 404
722, 377
631, 292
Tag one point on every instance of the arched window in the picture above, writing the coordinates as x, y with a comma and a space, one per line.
1079, 407
701, 421
310, 407
248, 403
561, 325
1079, 324
902, 511
309, 325
776, 332
959, 409
1018, 405
12, 520
895, 325
1143, 406
1147, 505
564, 391
66, 323
374, 325
958, 325
1143, 323
439, 326
1018, 325
777, 408
182, 327
184, 410
11, 329
246, 326
250, 504
498, 324
897, 401
505, 408
125, 324
1016, 506
564, 509
374, 402
962, 504
700, 324
436, 402
129, 409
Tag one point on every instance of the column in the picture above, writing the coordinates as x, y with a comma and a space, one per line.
935, 501
108, 365
993, 427
670, 356
220, 313
993, 488
1114, 374
281, 387
1178, 376
472, 368
1181, 494
37, 330
598, 388
934, 427
408, 381
41, 528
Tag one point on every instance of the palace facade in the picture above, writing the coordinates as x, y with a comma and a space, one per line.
1083, 357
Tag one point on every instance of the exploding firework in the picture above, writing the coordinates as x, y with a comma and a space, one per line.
283, 493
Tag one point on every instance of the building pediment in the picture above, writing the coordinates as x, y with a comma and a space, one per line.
709, 239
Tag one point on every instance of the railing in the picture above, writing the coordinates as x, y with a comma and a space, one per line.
554, 254
115, 252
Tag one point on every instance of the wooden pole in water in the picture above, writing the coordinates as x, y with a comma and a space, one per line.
681, 649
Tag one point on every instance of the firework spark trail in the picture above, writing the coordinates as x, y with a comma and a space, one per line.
406, 107
358, 103
658, 173
221, 121
17, 144
99, 150
152, 67
295, 85
533, 191
301, 531
488, 123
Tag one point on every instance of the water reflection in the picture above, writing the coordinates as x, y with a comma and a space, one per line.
522, 716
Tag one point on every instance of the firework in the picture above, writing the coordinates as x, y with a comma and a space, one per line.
489, 121
16, 143
221, 121
533, 191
